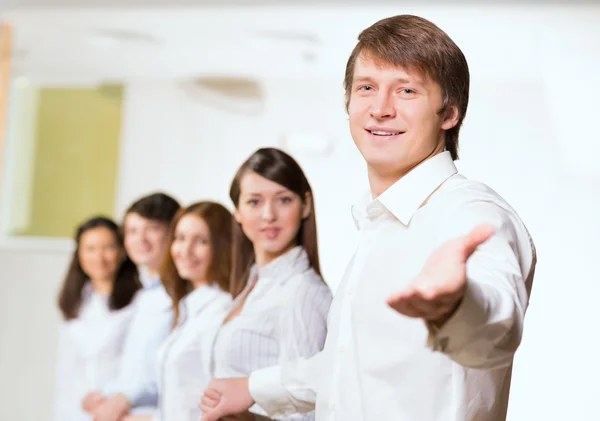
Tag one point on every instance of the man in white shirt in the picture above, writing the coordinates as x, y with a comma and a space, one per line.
429, 314
146, 227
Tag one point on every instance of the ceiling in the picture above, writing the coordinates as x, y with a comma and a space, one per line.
65, 45
9, 4
20, 4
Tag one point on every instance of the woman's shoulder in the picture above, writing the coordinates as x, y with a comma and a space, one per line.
309, 282
222, 298
220, 293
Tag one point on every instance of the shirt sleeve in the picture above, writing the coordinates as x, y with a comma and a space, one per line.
486, 329
289, 389
137, 373
287, 392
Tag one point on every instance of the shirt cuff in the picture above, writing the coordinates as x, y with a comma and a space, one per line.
130, 397
458, 330
267, 391
145, 410
258, 417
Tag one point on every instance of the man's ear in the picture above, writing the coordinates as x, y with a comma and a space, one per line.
450, 118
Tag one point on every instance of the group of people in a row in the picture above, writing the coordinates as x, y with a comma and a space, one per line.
197, 313
146, 346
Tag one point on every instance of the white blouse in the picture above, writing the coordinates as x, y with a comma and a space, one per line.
283, 318
184, 358
89, 352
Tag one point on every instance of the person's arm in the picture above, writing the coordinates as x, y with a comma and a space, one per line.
135, 385
279, 390
486, 287
286, 391
136, 381
303, 328
305, 331
486, 328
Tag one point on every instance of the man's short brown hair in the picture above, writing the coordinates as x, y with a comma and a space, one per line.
159, 207
415, 43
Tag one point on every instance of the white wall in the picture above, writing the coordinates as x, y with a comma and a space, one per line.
530, 133
29, 324
192, 150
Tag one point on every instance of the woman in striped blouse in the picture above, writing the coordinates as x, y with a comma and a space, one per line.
280, 303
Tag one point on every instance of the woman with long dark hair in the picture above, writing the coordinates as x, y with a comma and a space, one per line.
280, 303
94, 301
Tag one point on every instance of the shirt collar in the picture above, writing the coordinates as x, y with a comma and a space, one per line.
87, 290
293, 261
89, 293
405, 196
146, 279
199, 298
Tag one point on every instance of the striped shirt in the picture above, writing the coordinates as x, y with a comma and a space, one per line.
284, 317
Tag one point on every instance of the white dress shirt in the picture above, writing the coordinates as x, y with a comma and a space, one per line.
89, 351
151, 324
184, 358
283, 318
379, 365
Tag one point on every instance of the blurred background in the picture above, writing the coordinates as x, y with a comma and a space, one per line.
104, 101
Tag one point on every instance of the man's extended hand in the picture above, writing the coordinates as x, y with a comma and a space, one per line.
437, 291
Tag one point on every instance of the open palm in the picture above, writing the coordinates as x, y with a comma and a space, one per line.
437, 291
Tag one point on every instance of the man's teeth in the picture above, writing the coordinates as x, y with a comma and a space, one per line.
380, 133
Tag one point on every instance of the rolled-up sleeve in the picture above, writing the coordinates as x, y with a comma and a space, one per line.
288, 389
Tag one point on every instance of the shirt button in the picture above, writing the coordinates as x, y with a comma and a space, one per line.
331, 406
341, 349
350, 292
